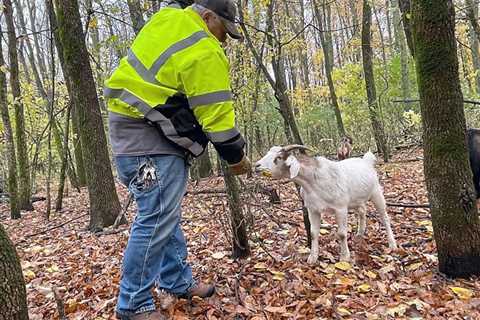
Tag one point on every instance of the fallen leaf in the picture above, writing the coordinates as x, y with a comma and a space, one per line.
218, 255
303, 250
462, 293
364, 288
52, 269
276, 309
29, 274
343, 265
397, 311
344, 311
260, 266
414, 266
277, 275
345, 281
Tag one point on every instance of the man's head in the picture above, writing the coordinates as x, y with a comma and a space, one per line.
219, 15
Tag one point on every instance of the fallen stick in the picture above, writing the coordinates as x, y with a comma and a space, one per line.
50, 229
408, 205
123, 213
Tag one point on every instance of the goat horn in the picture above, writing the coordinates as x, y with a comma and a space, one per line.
294, 147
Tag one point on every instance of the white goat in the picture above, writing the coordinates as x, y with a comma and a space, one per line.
334, 186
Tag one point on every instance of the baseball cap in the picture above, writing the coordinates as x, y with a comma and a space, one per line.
226, 11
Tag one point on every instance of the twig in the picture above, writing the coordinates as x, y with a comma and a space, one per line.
408, 205
50, 229
123, 213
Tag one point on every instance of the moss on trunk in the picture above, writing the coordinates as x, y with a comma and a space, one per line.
104, 204
448, 175
13, 296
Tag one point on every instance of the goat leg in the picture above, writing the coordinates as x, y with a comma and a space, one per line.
341, 219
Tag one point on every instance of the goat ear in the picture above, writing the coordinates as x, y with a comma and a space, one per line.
294, 166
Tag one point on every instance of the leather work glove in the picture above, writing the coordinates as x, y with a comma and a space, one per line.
242, 167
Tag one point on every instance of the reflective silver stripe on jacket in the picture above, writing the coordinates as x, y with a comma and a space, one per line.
222, 136
208, 98
154, 116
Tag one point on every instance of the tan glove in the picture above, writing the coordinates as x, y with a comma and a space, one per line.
242, 167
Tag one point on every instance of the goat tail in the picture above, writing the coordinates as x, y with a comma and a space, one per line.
370, 158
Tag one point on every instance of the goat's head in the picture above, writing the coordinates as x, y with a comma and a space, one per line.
345, 148
280, 162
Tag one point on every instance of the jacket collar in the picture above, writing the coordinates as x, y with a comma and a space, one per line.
199, 21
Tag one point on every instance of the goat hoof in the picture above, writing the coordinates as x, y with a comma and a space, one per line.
312, 259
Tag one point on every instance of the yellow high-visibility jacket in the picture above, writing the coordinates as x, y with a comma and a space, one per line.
175, 53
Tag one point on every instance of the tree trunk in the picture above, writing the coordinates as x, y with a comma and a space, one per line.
30, 51
328, 72
78, 149
63, 167
373, 109
21, 59
104, 204
240, 246
12, 168
406, 21
82, 178
472, 17
400, 44
448, 176
280, 83
38, 48
204, 165
13, 296
61, 145
472, 10
22, 155
136, 15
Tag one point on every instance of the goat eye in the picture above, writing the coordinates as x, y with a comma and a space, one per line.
276, 159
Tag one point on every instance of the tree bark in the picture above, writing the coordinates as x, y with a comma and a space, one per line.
406, 21
30, 51
448, 176
401, 47
373, 109
12, 162
13, 296
240, 245
472, 13
204, 165
38, 48
64, 165
82, 178
61, 145
328, 73
136, 15
24, 195
104, 203
472, 17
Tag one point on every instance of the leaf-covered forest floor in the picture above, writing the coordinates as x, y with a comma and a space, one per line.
275, 282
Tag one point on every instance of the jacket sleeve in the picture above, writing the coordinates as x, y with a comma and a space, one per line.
206, 83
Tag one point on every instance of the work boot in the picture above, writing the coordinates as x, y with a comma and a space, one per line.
149, 315
201, 290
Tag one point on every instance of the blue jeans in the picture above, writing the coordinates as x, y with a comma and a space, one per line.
156, 251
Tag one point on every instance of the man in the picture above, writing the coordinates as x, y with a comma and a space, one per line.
173, 83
